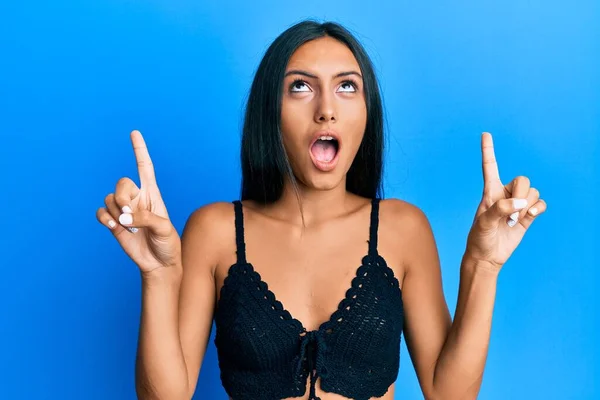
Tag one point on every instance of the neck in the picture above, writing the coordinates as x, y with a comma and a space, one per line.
317, 205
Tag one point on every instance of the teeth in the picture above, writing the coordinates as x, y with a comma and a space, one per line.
326, 138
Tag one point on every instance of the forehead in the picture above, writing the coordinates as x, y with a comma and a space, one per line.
325, 56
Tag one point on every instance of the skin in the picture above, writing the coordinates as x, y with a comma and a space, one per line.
179, 298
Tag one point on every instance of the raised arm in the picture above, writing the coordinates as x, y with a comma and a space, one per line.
450, 357
178, 291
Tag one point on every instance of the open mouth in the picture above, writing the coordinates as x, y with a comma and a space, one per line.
324, 152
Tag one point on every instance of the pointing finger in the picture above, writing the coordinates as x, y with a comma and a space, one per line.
142, 156
490, 166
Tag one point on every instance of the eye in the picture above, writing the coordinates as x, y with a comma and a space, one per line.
298, 84
349, 83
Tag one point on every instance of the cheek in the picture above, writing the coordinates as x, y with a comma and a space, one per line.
294, 121
357, 110
293, 114
291, 129
355, 124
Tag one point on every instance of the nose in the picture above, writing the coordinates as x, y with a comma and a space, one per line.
325, 111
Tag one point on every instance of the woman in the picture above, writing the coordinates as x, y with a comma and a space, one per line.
310, 214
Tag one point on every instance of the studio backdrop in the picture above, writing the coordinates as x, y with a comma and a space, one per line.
77, 77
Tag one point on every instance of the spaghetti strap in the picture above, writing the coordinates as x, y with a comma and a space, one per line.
286, 357
239, 232
373, 227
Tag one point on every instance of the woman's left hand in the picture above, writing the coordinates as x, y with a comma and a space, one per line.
500, 222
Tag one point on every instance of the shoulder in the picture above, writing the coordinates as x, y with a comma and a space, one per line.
208, 231
406, 229
396, 214
216, 216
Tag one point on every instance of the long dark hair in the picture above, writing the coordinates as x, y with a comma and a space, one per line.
264, 161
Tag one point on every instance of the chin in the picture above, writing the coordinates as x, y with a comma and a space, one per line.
317, 180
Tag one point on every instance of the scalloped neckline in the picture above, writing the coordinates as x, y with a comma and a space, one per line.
274, 302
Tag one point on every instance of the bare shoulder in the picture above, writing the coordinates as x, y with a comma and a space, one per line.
207, 232
406, 233
216, 216
399, 215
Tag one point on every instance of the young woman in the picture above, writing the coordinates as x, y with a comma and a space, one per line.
312, 278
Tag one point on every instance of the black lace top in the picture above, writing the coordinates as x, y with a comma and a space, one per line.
266, 354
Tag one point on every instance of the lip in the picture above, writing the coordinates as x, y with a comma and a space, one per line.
325, 166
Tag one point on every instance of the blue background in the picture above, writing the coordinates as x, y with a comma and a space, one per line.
77, 77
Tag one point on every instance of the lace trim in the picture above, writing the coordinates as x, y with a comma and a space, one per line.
368, 261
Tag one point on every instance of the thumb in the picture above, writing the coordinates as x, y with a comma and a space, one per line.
146, 219
505, 207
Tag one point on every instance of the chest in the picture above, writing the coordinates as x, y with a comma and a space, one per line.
309, 271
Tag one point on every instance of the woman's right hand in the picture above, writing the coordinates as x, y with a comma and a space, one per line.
138, 218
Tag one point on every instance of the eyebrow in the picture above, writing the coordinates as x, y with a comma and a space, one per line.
300, 72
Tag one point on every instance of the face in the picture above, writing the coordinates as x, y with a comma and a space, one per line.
324, 113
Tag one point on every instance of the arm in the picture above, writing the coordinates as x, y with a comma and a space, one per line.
160, 366
459, 369
449, 357
177, 311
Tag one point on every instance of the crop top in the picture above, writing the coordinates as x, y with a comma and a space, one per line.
266, 354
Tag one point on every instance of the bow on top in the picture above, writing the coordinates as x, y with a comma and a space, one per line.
313, 347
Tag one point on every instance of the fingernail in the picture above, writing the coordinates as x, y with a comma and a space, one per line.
519, 204
112, 224
127, 209
132, 230
514, 216
511, 222
533, 211
125, 219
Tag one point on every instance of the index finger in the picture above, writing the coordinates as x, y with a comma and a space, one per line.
490, 166
144, 163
